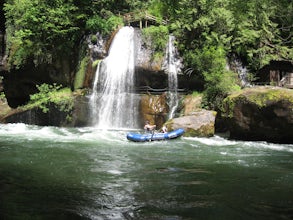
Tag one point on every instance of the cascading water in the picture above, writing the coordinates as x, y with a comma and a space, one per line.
94, 96
173, 66
112, 101
237, 66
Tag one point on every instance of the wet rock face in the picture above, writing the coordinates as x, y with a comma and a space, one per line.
196, 122
191, 104
153, 108
263, 113
20, 84
77, 117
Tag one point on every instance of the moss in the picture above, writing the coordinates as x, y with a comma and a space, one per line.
95, 63
204, 131
263, 97
228, 106
260, 96
80, 75
196, 94
94, 39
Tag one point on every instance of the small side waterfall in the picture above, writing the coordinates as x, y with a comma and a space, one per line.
237, 66
112, 102
95, 95
173, 66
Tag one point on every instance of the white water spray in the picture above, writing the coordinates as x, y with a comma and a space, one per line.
112, 101
173, 67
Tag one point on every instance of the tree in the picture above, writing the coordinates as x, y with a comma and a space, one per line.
38, 30
263, 31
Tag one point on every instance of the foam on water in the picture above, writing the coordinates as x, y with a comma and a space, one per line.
55, 134
271, 146
261, 145
215, 141
92, 134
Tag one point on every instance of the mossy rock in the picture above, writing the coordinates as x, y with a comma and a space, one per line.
199, 124
261, 97
260, 113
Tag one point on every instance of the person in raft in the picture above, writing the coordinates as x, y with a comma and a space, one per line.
164, 129
149, 128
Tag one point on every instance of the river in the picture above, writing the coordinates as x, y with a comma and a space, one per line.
87, 173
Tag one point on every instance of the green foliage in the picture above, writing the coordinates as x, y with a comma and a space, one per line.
207, 31
37, 30
2, 97
55, 94
219, 82
156, 8
96, 63
262, 31
103, 25
257, 31
196, 94
156, 37
94, 39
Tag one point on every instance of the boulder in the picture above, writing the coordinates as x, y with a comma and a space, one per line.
200, 124
260, 114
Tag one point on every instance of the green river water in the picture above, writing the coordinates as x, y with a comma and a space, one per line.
86, 173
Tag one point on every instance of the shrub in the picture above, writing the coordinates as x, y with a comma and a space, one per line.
103, 25
60, 97
219, 82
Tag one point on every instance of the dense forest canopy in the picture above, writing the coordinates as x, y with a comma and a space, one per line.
207, 31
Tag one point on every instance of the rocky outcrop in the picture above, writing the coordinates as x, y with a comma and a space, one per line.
56, 116
200, 124
260, 113
196, 122
20, 84
36, 116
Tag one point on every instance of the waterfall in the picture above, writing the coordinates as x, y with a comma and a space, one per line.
236, 65
95, 95
113, 102
173, 65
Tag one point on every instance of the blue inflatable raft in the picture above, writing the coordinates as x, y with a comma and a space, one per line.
156, 136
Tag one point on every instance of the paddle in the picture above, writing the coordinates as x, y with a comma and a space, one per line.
153, 132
